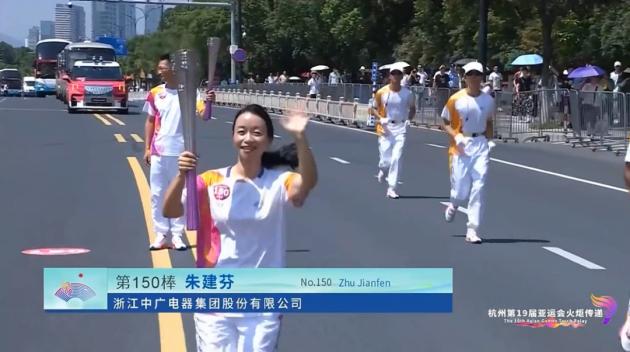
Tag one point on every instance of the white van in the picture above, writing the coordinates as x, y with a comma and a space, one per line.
28, 86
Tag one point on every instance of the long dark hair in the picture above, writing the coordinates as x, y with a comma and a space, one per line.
283, 156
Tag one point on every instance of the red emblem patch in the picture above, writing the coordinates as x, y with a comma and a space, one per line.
221, 192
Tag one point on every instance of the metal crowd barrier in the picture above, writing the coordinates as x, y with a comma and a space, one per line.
335, 111
596, 120
350, 91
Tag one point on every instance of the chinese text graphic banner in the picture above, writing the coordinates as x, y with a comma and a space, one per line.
273, 290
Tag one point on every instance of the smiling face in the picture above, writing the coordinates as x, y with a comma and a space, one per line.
250, 136
164, 70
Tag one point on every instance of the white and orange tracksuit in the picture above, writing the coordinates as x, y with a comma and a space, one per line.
469, 160
392, 129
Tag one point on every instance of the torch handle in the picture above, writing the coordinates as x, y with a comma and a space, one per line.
192, 209
207, 113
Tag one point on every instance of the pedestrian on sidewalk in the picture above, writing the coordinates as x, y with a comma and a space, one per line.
313, 85
468, 120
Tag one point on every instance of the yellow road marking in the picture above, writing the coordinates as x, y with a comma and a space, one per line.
119, 137
192, 241
171, 327
103, 120
136, 138
114, 119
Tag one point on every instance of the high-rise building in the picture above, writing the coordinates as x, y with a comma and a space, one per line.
152, 18
69, 22
33, 37
80, 23
115, 20
46, 30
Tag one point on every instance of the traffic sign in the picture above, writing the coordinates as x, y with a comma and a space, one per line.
374, 71
239, 55
120, 47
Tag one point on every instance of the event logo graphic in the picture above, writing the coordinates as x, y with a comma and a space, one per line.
70, 290
552, 323
605, 308
608, 304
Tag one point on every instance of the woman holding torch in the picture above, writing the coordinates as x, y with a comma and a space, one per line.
242, 223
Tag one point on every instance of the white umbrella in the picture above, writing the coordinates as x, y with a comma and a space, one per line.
404, 64
320, 68
384, 67
294, 78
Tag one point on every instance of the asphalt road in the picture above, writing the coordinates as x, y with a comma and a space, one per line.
68, 181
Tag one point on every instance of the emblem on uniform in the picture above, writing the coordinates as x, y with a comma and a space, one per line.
221, 192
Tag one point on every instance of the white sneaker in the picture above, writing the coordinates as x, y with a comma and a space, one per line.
178, 243
160, 242
392, 194
471, 236
380, 176
449, 213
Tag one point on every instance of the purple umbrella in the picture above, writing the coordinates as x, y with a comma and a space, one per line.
587, 71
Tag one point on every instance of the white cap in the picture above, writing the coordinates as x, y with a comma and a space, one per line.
362, 68
473, 66
565, 72
617, 63
398, 66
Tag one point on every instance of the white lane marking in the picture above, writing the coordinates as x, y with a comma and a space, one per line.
459, 209
502, 161
436, 146
3, 99
339, 160
593, 183
229, 122
276, 136
574, 258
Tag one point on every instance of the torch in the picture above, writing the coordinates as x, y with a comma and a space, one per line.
186, 71
213, 51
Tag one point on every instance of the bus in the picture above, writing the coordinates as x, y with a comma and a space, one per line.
79, 51
45, 65
10, 82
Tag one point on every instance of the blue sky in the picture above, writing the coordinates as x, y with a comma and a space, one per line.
17, 16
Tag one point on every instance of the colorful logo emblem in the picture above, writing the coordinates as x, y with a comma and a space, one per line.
221, 192
70, 290
608, 304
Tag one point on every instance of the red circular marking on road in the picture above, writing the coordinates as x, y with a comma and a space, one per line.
55, 251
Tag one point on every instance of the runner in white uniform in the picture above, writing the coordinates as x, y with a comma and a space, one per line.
394, 106
468, 120
164, 142
243, 219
